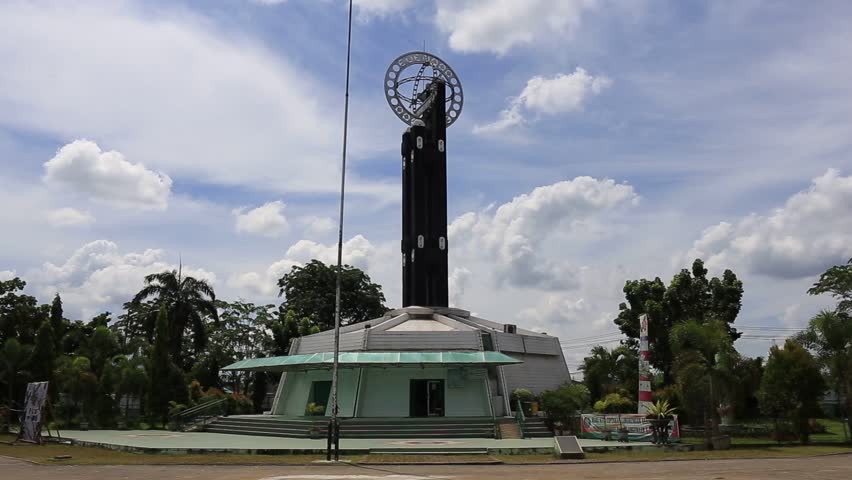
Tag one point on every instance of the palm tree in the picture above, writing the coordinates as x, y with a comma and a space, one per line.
829, 337
187, 300
608, 371
704, 355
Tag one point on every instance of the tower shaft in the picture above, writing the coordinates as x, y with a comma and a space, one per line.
424, 206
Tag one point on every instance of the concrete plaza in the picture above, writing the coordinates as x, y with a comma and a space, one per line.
159, 441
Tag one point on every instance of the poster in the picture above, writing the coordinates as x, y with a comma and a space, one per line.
33, 412
639, 430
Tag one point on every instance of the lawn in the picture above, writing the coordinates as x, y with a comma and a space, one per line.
834, 435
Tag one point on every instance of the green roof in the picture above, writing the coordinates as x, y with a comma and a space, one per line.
325, 360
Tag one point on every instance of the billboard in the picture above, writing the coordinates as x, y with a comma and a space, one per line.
33, 412
639, 430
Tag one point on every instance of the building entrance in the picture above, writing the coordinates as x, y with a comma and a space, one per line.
427, 398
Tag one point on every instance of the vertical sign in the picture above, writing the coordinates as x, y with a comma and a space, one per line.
644, 366
33, 412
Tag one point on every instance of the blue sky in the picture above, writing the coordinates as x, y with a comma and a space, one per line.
600, 141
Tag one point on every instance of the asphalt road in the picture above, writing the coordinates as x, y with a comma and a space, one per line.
827, 467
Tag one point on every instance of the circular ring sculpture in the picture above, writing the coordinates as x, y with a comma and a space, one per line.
407, 78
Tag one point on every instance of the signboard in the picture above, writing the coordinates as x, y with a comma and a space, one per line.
569, 447
638, 428
33, 412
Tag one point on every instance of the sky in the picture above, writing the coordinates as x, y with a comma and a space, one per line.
600, 141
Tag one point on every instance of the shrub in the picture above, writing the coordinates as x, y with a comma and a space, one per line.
615, 403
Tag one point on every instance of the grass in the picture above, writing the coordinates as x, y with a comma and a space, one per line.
834, 435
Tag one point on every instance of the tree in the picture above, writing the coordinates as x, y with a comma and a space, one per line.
284, 329
836, 281
43, 360
829, 337
57, 321
20, 315
187, 301
132, 379
704, 355
242, 332
610, 371
160, 390
79, 382
14, 356
309, 291
689, 296
563, 403
792, 386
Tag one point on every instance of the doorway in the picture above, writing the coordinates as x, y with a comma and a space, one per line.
426, 398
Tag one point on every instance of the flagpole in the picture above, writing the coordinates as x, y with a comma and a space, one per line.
334, 424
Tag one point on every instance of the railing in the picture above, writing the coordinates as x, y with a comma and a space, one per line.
519, 415
204, 411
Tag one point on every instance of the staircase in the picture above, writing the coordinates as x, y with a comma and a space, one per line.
307, 427
536, 427
509, 429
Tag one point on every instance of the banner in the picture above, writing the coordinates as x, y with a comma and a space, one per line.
33, 412
638, 428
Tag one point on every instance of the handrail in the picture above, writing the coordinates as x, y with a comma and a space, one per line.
519, 415
206, 409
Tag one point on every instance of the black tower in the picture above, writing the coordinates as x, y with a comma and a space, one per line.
424, 203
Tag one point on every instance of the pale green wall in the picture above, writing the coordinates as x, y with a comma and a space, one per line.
297, 387
385, 391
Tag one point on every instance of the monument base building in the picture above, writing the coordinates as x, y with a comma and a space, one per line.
414, 362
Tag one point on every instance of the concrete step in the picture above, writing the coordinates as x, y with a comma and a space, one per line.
443, 427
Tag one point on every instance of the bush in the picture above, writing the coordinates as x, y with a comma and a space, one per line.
615, 403
239, 404
563, 403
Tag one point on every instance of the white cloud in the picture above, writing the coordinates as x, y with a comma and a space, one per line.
83, 167
500, 25
357, 251
458, 281
267, 220
562, 93
380, 8
98, 276
69, 217
319, 225
512, 236
196, 98
810, 232
7, 275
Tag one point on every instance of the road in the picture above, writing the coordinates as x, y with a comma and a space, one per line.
822, 468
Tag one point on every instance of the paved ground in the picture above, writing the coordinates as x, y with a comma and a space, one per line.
822, 468
221, 441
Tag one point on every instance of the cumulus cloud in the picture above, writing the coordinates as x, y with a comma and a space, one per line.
810, 232
99, 276
7, 275
69, 217
500, 25
511, 237
380, 8
267, 220
357, 251
458, 281
562, 93
222, 108
319, 225
107, 176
